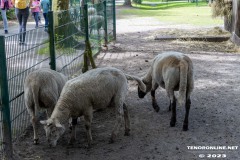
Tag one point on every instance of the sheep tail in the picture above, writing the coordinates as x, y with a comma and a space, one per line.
141, 85
35, 92
183, 82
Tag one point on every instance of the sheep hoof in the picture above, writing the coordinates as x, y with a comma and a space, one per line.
185, 127
157, 109
71, 141
70, 128
112, 139
36, 141
88, 146
127, 133
172, 124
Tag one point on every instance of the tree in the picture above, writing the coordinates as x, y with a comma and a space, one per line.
127, 3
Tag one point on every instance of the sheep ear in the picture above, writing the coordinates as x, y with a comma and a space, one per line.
44, 122
58, 125
47, 122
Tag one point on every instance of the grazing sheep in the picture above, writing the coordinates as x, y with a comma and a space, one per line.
96, 22
92, 11
174, 72
93, 90
42, 89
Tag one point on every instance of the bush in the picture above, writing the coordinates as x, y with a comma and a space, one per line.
137, 1
10, 14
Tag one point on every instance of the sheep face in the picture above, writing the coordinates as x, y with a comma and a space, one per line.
53, 131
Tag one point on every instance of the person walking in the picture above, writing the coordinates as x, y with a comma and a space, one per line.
4, 6
35, 7
22, 14
45, 6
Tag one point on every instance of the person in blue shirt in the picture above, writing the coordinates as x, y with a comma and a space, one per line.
45, 6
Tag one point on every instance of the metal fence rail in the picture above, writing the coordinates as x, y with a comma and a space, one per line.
61, 49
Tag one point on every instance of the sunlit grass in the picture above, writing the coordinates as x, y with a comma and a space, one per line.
179, 13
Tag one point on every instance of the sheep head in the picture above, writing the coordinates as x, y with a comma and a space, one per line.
53, 130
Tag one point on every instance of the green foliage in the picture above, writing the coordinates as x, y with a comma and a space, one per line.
137, 1
10, 14
147, 4
190, 14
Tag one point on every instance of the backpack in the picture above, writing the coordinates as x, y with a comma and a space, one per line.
21, 4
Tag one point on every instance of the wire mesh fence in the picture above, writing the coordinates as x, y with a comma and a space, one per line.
69, 40
61, 48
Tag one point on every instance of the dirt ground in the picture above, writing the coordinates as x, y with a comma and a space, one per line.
214, 115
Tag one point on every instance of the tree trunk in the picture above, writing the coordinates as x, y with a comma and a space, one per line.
58, 5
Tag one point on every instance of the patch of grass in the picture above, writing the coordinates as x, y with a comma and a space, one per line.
154, 5
44, 50
182, 14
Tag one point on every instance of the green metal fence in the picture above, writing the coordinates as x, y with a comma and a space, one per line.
61, 49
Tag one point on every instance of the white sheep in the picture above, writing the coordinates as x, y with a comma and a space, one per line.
96, 22
95, 89
92, 11
42, 89
172, 71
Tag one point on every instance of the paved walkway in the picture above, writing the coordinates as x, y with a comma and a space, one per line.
14, 27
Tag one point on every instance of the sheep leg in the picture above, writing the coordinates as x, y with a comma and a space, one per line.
187, 106
91, 30
173, 118
119, 116
35, 129
73, 131
169, 107
49, 112
126, 119
88, 122
154, 102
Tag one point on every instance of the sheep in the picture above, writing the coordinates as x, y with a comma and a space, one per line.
42, 89
96, 22
172, 71
93, 90
92, 11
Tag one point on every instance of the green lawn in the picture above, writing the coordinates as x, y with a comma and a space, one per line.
180, 13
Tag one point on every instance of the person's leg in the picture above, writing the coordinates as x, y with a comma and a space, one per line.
39, 17
35, 15
5, 22
47, 21
24, 22
19, 18
45, 16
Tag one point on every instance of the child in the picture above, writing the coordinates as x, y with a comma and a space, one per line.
4, 6
35, 7
45, 5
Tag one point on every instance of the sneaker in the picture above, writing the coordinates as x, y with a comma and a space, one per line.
6, 31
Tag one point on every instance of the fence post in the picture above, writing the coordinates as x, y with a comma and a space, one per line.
51, 41
114, 20
105, 22
85, 55
6, 119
